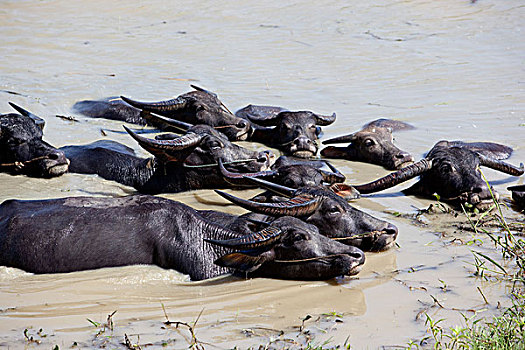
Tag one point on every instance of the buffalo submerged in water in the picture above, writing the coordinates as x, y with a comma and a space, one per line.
195, 107
22, 150
326, 210
451, 170
374, 144
81, 233
185, 163
295, 133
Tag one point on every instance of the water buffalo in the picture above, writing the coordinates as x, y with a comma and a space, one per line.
22, 150
185, 163
296, 173
196, 107
330, 213
451, 170
518, 194
372, 144
81, 233
113, 108
293, 133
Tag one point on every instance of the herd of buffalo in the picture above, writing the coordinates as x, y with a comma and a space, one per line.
302, 226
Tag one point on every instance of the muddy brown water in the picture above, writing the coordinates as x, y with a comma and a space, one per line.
454, 69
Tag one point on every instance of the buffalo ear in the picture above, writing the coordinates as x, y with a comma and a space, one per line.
339, 152
241, 261
345, 191
342, 139
319, 132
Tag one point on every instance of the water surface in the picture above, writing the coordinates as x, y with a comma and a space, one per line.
453, 69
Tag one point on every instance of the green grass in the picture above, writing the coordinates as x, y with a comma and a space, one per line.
503, 332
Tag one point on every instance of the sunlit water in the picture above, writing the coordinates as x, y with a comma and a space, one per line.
453, 69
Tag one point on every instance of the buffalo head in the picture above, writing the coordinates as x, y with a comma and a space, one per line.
22, 149
294, 133
451, 170
290, 249
372, 144
295, 173
198, 152
330, 213
198, 107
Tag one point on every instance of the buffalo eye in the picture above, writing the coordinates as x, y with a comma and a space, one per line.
201, 109
287, 126
334, 210
294, 238
214, 145
369, 142
447, 168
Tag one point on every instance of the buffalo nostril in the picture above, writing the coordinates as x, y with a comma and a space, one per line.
54, 155
402, 155
358, 255
391, 230
477, 189
242, 124
302, 141
57, 156
264, 156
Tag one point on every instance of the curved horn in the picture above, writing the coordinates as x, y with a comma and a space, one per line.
258, 222
261, 115
161, 107
167, 122
239, 177
334, 176
301, 205
254, 240
340, 139
501, 165
279, 189
151, 145
324, 120
38, 121
397, 177
198, 88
